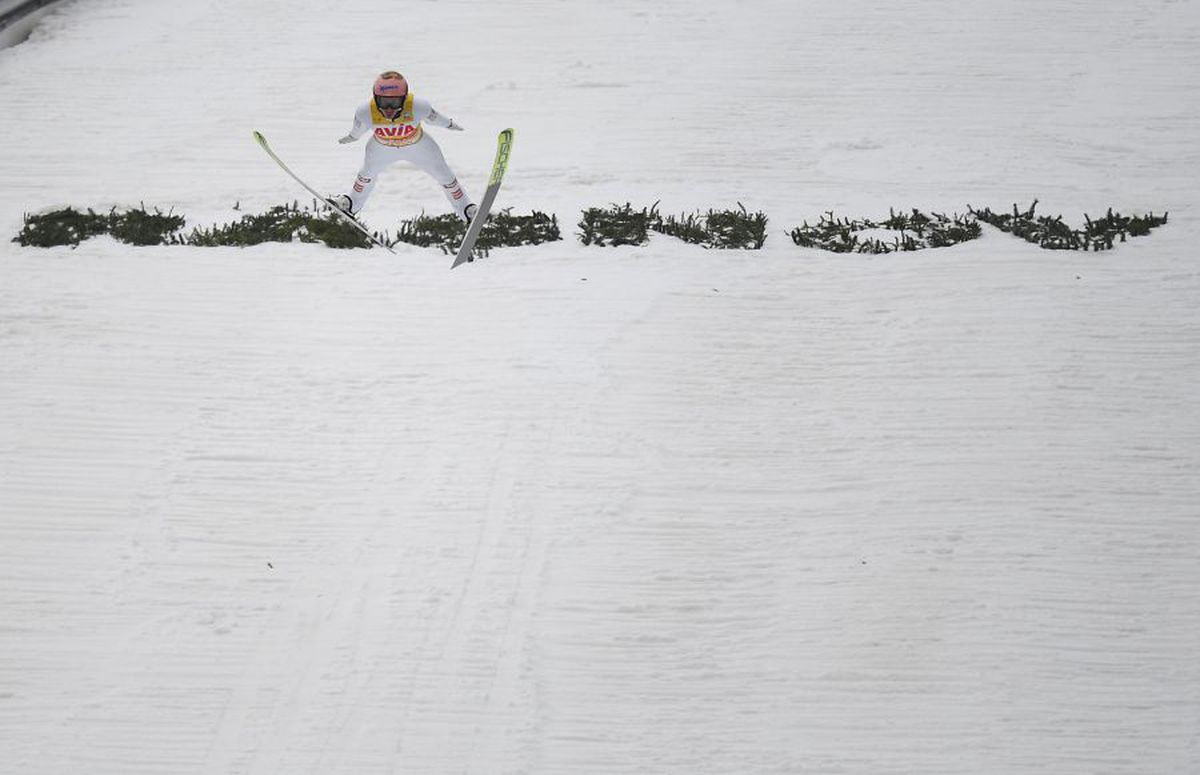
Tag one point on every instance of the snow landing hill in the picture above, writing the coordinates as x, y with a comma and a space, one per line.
578, 510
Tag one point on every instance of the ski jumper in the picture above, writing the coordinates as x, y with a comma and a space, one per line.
403, 139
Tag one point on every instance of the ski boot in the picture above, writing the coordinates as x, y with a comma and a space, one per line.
340, 202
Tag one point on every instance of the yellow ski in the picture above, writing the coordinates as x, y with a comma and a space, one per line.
504, 146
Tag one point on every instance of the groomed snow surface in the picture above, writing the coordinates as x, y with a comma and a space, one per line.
579, 510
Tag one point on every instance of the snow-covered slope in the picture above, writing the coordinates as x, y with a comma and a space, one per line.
580, 510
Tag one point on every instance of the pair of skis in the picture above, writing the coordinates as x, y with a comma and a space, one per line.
504, 146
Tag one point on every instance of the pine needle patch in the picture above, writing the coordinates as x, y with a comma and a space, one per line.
1054, 234
502, 230
913, 231
616, 225
142, 227
282, 223
719, 229
432, 231
507, 230
334, 232
67, 226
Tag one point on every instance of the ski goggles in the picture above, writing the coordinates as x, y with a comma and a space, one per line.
390, 103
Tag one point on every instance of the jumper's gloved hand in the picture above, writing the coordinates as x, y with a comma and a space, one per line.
347, 139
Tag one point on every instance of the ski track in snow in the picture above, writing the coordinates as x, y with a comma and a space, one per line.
576, 510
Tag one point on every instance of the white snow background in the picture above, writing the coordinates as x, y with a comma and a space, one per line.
571, 509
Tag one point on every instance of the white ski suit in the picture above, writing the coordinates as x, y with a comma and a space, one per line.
403, 139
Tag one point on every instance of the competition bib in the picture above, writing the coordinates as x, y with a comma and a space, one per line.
398, 132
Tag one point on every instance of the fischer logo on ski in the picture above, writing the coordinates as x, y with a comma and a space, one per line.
503, 148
